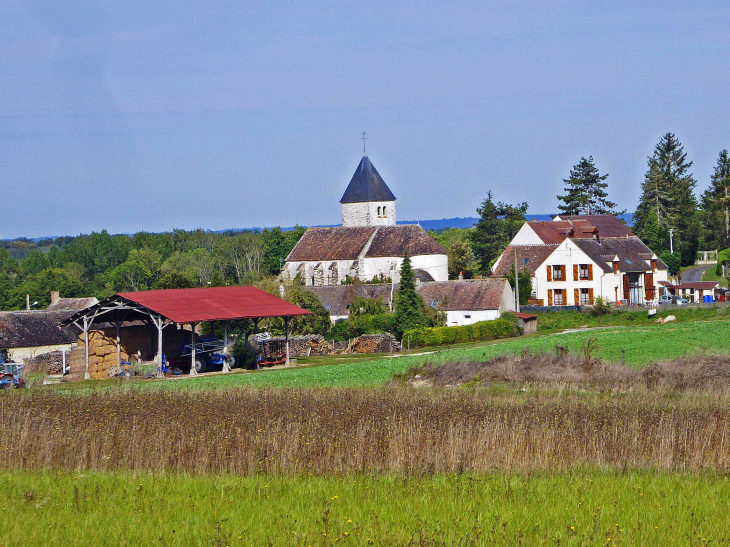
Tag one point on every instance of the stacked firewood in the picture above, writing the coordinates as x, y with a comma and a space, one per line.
373, 343
46, 363
300, 346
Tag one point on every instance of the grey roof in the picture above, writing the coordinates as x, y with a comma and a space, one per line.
485, 294
72, 304
348, 242
366, 185
21, 329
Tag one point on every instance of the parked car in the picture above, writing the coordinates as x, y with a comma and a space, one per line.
670, 299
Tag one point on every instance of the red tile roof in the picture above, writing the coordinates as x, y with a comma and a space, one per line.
579, 227
529, 258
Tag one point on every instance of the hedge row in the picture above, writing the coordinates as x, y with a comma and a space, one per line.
723, 258
439, 336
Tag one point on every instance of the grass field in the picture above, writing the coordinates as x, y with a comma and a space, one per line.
585, 508
711, 275
636, 346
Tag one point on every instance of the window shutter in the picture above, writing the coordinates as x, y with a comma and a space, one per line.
590, 296
590, 272
626, 286
576, 295
653, 265
550, 296
550, 273
615, 267
575, 272
649, 286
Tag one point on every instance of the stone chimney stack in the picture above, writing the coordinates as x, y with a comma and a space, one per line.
55, 297
461, 276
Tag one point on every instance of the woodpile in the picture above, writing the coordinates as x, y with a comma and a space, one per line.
46, 363
373, 343
299, 346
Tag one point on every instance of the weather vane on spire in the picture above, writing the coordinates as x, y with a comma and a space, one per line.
363, 143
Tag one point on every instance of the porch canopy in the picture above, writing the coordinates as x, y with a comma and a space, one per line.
166, 307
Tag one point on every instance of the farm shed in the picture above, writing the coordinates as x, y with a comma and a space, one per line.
163, 308
527, 322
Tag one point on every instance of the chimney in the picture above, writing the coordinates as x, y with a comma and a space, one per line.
27, 302
461, 276
55, 297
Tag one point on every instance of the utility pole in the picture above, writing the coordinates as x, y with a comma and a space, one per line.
671, 241
517, 286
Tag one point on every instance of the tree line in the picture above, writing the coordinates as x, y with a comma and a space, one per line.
100, 264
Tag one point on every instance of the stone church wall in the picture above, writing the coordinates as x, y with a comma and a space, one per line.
366, 214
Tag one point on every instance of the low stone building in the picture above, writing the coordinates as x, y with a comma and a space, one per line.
463, 302
27, 334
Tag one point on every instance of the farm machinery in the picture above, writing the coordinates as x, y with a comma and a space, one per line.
211, 353
10, 373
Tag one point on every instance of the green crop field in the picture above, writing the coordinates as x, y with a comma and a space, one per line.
636, 346
584, 508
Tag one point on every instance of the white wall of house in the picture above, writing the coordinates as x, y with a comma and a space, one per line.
369, 213
458, 318
605, 284
526, 236
18, 355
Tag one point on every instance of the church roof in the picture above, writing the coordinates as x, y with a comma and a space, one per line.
347, 243
366, 185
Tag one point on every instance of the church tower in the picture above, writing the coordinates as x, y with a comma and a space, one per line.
367, 201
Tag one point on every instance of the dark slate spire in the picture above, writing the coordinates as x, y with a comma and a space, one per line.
367, 185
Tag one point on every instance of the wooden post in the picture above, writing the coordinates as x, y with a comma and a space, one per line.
193, 372
160, 372
255, 332
517, 286
286, 331
118, 324
87, 376
226, 367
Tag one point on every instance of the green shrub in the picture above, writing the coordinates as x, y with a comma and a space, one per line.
723, 258
439, 336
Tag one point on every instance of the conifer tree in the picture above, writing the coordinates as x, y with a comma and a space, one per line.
668, 191
715, 205
586, 191
409, 306
498, 224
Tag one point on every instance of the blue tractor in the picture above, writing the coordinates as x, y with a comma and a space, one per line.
209, 354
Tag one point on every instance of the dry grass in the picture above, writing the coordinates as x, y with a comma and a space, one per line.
581, 369
344, 431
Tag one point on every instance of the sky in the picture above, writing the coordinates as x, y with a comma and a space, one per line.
131, 116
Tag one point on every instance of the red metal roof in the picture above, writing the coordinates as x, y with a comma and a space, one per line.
214, 304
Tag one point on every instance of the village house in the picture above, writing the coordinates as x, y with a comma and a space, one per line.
463, 302
369, 245
573, 260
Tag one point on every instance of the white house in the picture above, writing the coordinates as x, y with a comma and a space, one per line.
369, 245
572, 263
463, 302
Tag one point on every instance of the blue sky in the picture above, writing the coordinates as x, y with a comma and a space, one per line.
154, 115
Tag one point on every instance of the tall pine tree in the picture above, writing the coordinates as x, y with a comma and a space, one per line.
668, 193
586, 191
409, 306
715, 205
